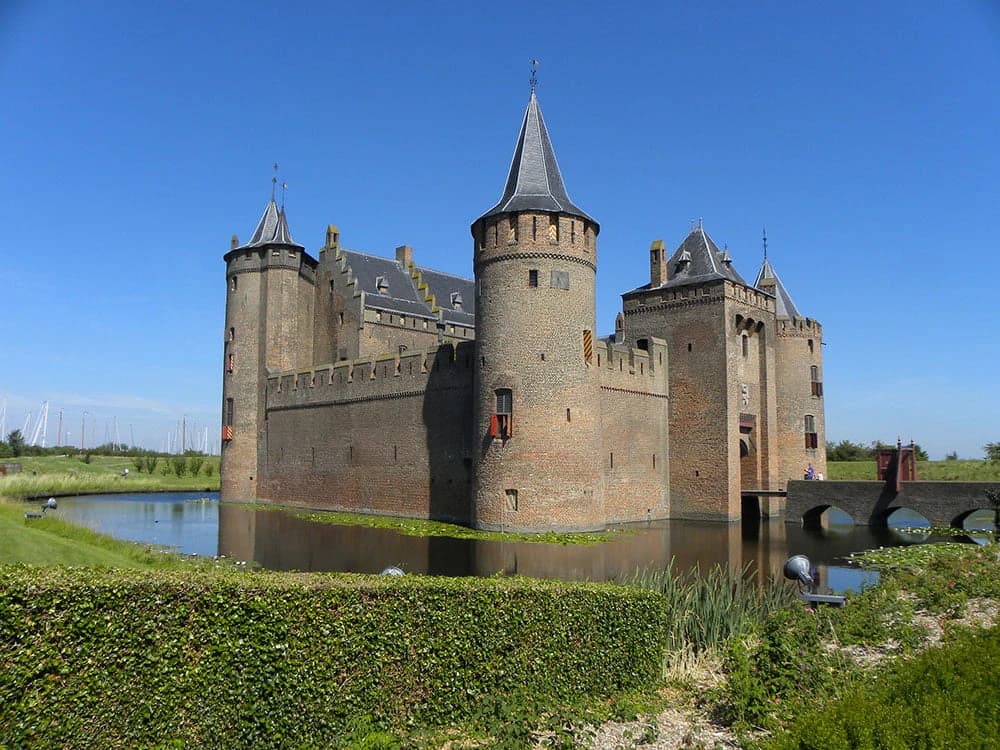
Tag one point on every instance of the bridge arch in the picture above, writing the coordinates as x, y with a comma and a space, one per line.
834, 515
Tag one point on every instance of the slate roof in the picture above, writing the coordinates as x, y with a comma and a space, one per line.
697, 260
399, 292
768, 281
534, 182
272, 229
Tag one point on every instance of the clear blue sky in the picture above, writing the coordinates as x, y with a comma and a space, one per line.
137, 137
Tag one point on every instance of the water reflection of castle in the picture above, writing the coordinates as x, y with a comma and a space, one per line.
377, 385
280, 541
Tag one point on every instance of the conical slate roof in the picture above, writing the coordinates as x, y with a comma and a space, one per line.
768, 281
272, 229
534, 182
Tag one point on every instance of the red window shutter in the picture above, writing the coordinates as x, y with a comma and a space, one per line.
494, 425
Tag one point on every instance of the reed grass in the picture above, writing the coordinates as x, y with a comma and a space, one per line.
708, 609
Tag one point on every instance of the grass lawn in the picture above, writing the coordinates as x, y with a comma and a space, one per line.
51, 541
968, 471
67, 475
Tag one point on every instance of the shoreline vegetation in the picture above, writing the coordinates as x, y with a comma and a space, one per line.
704, 660
59, 476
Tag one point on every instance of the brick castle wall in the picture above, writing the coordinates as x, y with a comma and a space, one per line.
385, 435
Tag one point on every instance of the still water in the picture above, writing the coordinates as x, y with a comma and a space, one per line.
196, 523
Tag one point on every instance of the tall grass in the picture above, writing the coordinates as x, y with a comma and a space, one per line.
708, 609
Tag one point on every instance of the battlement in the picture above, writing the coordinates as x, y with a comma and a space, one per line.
800, 327
632, 367
382, 377
259, 259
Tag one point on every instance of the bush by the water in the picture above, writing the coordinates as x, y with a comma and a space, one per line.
116, 659
945, 698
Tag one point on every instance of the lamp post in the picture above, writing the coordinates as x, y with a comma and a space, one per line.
83, 432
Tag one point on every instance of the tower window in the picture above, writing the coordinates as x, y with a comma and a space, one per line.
502, 421
341, 318
809, 343
511, 499
512, 229
232, 334
553, 229
233, 284
746, 345
533, 278
229, 412
816, 383
230, 361
572, 232
534, 227
812, 439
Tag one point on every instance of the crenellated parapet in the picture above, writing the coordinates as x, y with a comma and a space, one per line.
640, 368
261, 259
373, 378
800, 327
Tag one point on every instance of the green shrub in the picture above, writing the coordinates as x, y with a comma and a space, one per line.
945, 698
151, 462
118, 659
194, 465
782, 666
139, 462
209, 469
179, 465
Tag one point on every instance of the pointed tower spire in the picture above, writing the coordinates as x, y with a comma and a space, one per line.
768, 281
534, 182
272, 229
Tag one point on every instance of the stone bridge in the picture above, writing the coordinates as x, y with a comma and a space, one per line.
871, 503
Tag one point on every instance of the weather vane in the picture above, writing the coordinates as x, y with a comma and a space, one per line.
284, 187
534, 76
274, 180
765, 243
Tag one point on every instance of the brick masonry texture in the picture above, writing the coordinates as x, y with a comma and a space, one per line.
869, 503
339, 403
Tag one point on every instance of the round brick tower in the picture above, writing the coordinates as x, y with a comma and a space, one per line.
537, 408
261, 310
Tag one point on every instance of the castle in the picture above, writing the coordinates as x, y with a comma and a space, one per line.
375, 385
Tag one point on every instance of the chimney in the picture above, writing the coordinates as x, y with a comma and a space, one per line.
657, 264
404, 256
332, 237
234, 242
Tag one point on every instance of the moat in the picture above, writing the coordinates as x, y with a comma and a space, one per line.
278, 539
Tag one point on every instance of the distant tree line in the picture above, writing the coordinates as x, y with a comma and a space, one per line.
845, 450
15, 445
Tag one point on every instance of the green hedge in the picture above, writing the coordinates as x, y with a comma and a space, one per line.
946, 698
93, 658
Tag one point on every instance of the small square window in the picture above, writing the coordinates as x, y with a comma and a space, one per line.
533, 278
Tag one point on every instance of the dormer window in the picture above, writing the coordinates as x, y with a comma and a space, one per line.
381, 285
456, 300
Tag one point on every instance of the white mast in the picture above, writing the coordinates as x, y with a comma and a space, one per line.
41, 426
